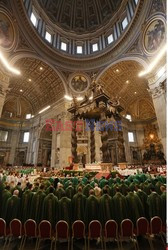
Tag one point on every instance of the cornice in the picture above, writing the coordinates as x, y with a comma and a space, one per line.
85, 63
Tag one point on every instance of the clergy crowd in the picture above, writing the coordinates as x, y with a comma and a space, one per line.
85, 199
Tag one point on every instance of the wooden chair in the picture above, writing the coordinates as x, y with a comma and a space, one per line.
95, 232
78, 231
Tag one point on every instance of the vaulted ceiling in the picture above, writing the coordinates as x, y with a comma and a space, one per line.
122, 81
38, 84
80, 15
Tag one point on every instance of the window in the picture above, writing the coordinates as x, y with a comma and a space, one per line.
26, 137
3, 135
28, 116
63, 46
110, 39
124, 23
94, 47
33, 19
130, 137
128, 117
79, 49
48, 36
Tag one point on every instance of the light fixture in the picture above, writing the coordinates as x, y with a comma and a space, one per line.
135, 92
151, 136
8, 66
29, 80
161, 72
127, 81
67, 97
154, 62
21, 90
79, 98
117, 70
44, 109
41, 68
32, 116
91, 97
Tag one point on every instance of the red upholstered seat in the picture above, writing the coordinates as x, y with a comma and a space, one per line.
142, 226
127, 231
45, 232
62, 232
95, 231
78, 231
111, 231
30, 228
2, 227
15, 228
156, 228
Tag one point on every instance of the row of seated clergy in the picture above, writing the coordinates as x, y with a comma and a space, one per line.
40, 206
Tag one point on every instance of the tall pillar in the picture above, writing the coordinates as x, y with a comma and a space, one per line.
92, 146
157, 85
74, 140
4, 83
98, 145
53, 148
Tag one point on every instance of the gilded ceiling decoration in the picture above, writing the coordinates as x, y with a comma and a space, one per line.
122, 81
39, 84
80, 15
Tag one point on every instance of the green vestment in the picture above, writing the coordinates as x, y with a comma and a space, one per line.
70, 192
65, 210
91, 209
86, 190
12, 209
60, 192
120, 207
36, 206
50, 209
163, 197
26, 205
5, 196
154, 202
135, 207
106, 208
78, 206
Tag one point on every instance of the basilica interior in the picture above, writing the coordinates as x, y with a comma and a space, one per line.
83, 86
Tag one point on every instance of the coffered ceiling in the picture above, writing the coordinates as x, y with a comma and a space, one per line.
39, 84
122, 81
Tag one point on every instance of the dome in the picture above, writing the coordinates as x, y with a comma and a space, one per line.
80, 16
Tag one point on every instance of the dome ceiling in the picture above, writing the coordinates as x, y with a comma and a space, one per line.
122, 81
80, 15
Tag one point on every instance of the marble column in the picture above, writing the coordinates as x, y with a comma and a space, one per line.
157, 85
4, 83
98, 145
65, 142
14, 144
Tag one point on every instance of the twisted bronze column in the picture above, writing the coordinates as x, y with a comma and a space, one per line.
74, 140
92, 146
104, 138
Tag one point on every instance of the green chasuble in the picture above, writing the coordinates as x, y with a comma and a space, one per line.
65, 210
36, 206
106, 208
60, 192
12, 209
143, 197
163, 197
91, 209
17, 188
70, 192
2, 186
154, 202
103, 182
86, 190
157, 187
120, 207
5, 196
50, 209
123, 188
78, 206
135, 207
26, 205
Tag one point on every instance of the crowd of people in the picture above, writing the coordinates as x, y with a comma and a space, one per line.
82, 198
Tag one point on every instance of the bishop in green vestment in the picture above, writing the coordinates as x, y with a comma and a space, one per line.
36, 205
6, 194
92, 208
154, 202
70, 191
78, 205
120, 207
106, 207
26, 204
50, 208
86, 190
60, 192
13, 207
135, 207
163, 198
65, 210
